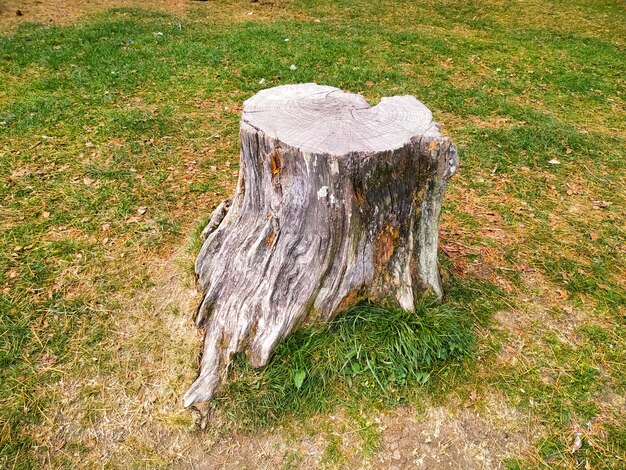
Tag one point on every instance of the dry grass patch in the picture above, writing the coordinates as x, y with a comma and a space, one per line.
440, 438
124, 407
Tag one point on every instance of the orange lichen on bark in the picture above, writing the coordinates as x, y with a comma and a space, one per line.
385, 245
276, 161
270, 238
348, 301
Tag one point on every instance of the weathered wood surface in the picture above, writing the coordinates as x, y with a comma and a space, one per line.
336, 202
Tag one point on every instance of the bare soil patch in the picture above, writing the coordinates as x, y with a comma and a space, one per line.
15, 12
436, 439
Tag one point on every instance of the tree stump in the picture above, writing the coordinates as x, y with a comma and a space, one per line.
336, 202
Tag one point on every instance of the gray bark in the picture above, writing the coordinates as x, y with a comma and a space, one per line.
336, 202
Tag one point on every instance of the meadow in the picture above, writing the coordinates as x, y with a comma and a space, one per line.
119, 135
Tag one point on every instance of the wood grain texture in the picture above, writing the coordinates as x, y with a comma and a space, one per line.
336, 202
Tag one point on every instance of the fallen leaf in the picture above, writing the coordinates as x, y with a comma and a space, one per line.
594, 236
142, 210
121, 434
12, 274
88, 181
603, 286
578, 443
45, 214
89, 144
567, 309
48, 359
554, 161
562, 293
602, 204
568, 150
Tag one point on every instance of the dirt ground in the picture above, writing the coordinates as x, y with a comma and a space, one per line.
15, 12
437, 439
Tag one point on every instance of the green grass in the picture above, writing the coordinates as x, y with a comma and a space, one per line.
116, 140
368, 353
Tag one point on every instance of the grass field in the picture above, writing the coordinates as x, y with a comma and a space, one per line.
119, 134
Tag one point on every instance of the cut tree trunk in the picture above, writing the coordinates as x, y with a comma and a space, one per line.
336, 202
